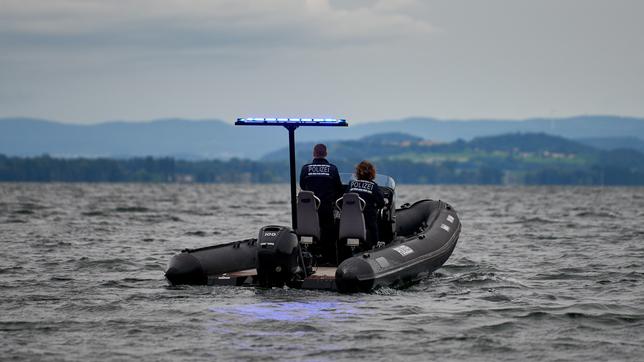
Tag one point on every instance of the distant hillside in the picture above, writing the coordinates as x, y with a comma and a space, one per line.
209, 139
405, 146
176, 138
518, 158
451, 130
391, 137
372, 146
529, 142
613, 143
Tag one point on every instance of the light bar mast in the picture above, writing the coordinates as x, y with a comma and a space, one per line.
291, 124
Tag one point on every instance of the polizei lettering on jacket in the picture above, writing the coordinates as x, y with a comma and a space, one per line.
361, 186
319, 170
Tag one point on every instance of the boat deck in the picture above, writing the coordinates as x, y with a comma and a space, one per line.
324, 272
322, 278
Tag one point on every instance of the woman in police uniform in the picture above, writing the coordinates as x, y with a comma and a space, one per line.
369, 191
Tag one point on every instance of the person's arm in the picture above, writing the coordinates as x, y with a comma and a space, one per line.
302, 177
380, 200
339, 187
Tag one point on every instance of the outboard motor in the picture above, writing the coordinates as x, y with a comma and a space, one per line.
278, 256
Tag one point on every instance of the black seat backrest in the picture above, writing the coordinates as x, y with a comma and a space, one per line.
352, 225
308, 223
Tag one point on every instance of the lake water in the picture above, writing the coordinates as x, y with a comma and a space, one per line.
539, 273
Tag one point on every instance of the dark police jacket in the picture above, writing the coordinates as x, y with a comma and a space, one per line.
371, 194
323, 179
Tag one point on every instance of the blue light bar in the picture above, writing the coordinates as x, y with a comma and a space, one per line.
329, 122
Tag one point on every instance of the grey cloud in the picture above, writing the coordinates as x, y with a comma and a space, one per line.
365, 59
169, 23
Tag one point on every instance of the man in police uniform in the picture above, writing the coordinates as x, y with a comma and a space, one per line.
323, 179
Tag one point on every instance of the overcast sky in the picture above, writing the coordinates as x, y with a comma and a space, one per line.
86, 61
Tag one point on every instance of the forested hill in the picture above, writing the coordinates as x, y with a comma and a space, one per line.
404, 146
519, 158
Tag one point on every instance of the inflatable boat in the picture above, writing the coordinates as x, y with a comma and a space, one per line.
415, 240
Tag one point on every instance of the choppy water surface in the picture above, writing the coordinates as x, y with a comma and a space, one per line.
538, 273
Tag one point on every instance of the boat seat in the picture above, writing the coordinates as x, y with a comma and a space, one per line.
352, 225
308, 223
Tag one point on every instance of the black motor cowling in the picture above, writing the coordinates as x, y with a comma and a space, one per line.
278, 256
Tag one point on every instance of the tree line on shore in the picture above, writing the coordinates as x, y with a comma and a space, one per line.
148, 169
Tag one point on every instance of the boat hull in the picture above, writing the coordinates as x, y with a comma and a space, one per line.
414, 254
427, 233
